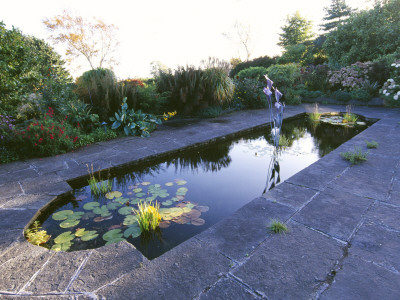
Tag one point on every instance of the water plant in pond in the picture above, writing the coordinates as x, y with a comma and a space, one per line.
35, 235
355, 157
348, 117
97, 185
148, 216
278, 227
372, 144
315, 116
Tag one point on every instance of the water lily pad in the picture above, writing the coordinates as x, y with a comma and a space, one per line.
61, 247
64, 237
76, 215
89, 235
115, 241
62, 215
190, 205
129, 193
180, 197
164, 224
99, 219
80, 232
133, 231
175, 199
69, 223
202, 208
112, 235
130, 220
88, 215
126, 210
149, 199
186, 209
157, 185
169, 184
181, 182
91, 205
181, 220
145, 183
113, 205
139, 195
137, 190
134, 201
198, 222
167, 203
103, 211
193, 214
113, 194
182, 189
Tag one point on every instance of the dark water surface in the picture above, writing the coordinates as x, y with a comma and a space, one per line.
212, 182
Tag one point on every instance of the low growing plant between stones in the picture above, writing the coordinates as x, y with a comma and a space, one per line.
355, 157
372, 144
278, 227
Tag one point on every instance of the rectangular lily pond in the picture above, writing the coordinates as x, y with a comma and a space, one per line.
195, 189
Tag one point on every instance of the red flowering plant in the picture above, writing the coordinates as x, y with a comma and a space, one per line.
47, 136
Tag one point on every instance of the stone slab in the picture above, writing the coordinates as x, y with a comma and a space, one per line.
384, 215
9, 190
239, 234
15, 218
58, 273
334, 212
17, 175
34, 201
363, 280
286, 267
105, 265
290, 194
51, 184
9, 237
227, 288
16, 272
378, 244
182, 273
364, 182
54, 164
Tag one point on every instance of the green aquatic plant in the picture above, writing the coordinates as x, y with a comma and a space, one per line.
372, 144
148, 216
315, 116
278, 227
97, 185
355, 157
348, 116
283, 141
35, 235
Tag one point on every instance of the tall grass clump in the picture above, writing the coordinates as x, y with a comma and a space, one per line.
97, 185
315, 116
148, 216
348, 116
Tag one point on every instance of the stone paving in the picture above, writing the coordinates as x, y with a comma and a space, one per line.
343, 243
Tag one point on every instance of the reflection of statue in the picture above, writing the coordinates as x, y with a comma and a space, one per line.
273, 177
276, 118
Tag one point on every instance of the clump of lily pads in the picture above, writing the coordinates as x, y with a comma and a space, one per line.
148, 216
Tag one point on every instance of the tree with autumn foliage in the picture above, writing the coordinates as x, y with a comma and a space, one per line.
95, 41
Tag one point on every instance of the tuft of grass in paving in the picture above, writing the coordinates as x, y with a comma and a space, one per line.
278, 227
372, 144
355, 157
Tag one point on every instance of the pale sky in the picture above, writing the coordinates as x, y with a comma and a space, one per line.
174, 32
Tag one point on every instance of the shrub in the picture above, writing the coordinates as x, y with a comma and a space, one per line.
79, 115
263, 61
98, 135
361, 95
341, 96
253, 73
100, 89
284, 76
316, 77
249, 94
46, 136
210, 112
291, 97
350, 78
391, 88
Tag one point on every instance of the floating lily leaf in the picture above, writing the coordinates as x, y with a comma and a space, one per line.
202, 208
89, 235
113, 194
88, 215
198, 222
132, 187
149, 199
186, 209
99, 219
76, 215
133, 231
114, 236
175, 199
164, 224
182, 190
103, 211
62, 215
180, 197
137, 190
61, 247
113, 205
91, 205
129, 193
145, 183
139, 195
181, 220
157, 185
64, 237
181, 182
134, 201
167, 203
80, 232
69, 223
193, 214
126, 210
115, 241
190, 205
169, 184
130, 220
